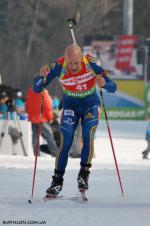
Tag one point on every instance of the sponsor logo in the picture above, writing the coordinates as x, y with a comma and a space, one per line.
69, 112
77, 80
79, 94
89, 115
53, 65
68, 121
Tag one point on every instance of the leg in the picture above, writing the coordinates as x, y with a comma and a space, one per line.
3, 131
146, 151
47, 134
75, 151
89, 125
56, 132
68, 127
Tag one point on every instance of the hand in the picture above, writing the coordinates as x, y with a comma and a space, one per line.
101, 82
44, 71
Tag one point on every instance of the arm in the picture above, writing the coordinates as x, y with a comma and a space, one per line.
49, 72
103, 80
109, 84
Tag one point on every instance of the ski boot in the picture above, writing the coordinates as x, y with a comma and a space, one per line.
55, 188
82, 179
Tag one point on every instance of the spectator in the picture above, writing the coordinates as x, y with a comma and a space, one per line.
11, 103
55, 103
20, 106
147, 150
33, 102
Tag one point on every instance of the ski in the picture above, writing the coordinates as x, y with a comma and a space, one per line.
80, 198
52, 197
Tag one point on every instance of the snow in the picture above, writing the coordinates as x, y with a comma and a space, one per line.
106, 205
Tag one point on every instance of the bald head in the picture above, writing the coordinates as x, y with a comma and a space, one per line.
73, 57
73, 50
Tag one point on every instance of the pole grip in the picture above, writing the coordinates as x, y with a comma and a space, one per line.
71, 23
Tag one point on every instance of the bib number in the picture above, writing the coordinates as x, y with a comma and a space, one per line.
81, 87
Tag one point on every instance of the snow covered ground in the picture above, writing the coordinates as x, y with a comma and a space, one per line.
106, 205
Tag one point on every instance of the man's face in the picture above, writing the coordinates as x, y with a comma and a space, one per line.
74, 66
74, 62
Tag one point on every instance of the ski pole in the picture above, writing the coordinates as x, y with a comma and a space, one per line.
38, 140
111, 141
72, 22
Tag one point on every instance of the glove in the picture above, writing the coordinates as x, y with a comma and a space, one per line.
44, 71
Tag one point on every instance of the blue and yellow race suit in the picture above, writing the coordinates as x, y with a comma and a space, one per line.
80, 101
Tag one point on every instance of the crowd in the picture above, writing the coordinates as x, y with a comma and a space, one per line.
13, 106
12, 103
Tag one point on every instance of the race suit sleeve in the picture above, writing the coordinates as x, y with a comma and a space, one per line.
55, 70
110, 86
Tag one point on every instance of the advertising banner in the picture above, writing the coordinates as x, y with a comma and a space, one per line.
147, 101
119, 58
127, 102
124, 52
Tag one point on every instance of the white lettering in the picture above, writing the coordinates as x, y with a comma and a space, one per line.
69, 112
125, 50
127, 41
126, 114
78, 80
123, 59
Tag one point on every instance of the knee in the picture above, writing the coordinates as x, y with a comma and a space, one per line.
66, 138
89, 132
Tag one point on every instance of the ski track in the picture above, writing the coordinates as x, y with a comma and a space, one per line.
105, 207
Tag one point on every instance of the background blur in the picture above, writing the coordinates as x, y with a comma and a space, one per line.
35, 32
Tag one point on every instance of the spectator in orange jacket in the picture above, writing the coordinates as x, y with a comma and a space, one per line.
32, 106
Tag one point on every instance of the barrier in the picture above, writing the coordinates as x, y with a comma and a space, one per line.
7, 147
120, 129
